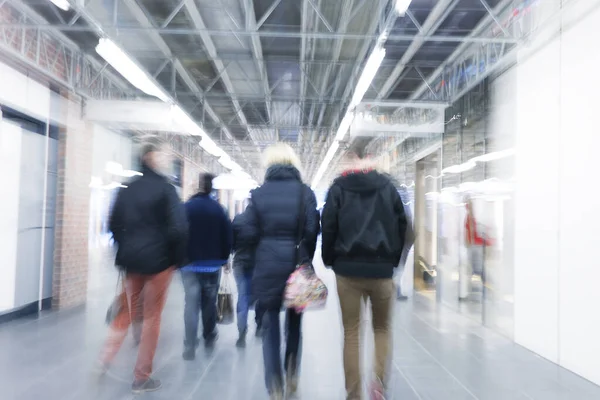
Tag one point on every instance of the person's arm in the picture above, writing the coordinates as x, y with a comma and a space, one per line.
116, 224
250, 231
227, 236
177, 226
401, 220
311, 225
329, 222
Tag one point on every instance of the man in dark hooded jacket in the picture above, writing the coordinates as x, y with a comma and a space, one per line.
363, 229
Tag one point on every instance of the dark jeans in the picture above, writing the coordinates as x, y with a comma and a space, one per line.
272, 346
243, 280
201, 289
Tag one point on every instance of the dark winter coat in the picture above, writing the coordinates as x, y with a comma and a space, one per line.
273, 218
211, 235
364, 226
149, 225
243, 248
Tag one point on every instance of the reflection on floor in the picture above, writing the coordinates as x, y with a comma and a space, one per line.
438, 354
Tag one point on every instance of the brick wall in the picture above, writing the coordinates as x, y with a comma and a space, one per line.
72, 212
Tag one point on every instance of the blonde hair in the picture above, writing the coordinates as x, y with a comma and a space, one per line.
281, 153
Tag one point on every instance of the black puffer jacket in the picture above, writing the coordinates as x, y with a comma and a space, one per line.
149, 225
243, 248
273, 217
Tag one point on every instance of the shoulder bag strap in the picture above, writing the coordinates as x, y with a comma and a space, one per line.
301, 221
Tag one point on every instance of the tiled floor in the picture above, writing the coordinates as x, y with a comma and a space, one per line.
438, 355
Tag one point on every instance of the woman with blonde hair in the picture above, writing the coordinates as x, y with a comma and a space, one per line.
283, 222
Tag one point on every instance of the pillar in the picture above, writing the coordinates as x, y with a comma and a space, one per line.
72, 209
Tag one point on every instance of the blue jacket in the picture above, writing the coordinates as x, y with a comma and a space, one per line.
210, 234
272, 224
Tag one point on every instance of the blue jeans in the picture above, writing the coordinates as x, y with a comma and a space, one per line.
201, 289
272, 346
243, 280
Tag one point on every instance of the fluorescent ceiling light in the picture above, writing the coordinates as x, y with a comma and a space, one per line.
344, 126
62, 4
211, 147
367, 76
496, 155
128, 68
457, 169
182, 119
402, 6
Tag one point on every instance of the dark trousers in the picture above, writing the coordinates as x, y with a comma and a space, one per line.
243, 281
272, 346
201, 289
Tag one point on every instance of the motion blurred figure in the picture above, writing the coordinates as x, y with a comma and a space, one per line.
362, 240
243, 268
148, 224
209, 246
409, 240
281, 208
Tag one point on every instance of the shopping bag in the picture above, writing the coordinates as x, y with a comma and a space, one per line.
119, 301
304, 290
225, 307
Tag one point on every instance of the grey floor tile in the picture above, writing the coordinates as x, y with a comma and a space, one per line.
437, 354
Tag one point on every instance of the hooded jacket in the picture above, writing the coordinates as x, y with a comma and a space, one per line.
273, 216
149, 225
363, 226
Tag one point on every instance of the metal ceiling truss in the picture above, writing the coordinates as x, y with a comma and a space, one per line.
54, 56
264, 33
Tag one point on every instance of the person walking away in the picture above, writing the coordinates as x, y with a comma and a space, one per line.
209, 246
363, 228
243, 267
149, 226
279, 209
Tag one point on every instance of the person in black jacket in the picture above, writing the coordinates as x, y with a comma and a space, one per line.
209, 248
362, 240
149, 226
243, 268
280, 211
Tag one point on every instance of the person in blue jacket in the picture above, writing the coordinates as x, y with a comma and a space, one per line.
209, 246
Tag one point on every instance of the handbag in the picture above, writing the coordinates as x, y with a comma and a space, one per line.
119, 300
225, 308
304, 290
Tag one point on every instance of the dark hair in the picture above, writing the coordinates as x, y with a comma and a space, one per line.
358, 147
205, 183
149, 147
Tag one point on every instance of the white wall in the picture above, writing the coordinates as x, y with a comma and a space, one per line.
557, 289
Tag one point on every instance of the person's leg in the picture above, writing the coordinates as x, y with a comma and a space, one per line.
272, 352
209, 283
155, 296
191, 286
137, 319
243, 302
293, 348
350, 293
120, 325
381, 292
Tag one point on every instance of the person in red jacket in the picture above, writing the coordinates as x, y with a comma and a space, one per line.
475, 241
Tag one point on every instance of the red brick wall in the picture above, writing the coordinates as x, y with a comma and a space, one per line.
72, 211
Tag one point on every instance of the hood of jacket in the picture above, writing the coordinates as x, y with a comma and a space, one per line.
362, 181
282, 172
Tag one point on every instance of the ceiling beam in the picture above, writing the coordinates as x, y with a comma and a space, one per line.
141, 17
258, 52
271, 33
440, 12
198, 22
